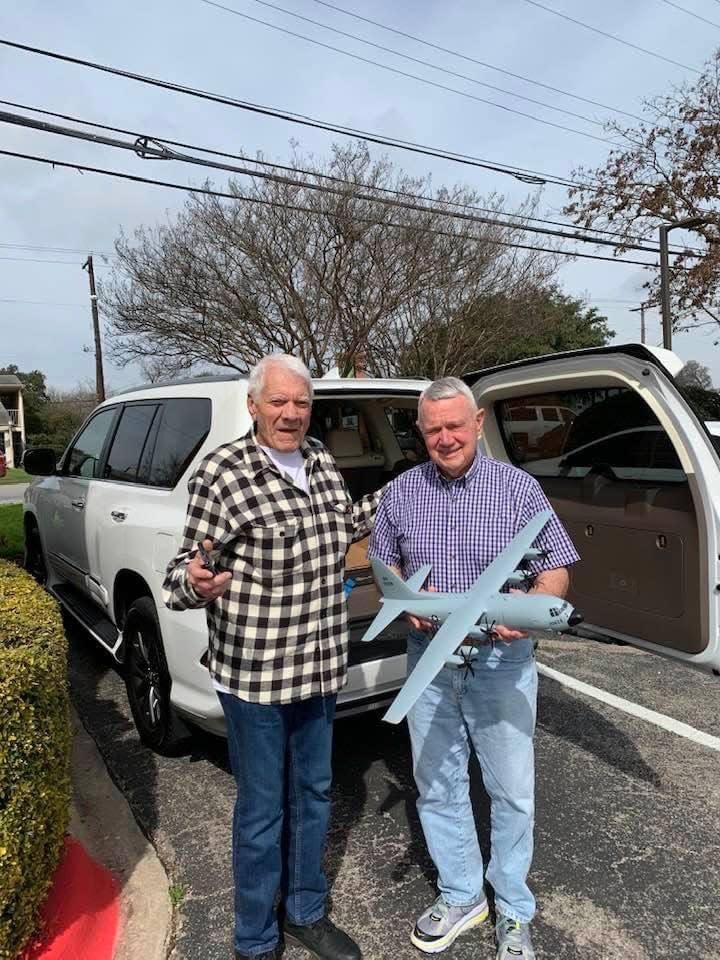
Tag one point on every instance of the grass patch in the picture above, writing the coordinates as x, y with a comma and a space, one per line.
176, 892
11, 531
15, 476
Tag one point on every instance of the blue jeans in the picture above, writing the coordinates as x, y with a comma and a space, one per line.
492, 711
281, 759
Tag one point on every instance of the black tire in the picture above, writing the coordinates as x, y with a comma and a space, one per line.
33, 556
147, 679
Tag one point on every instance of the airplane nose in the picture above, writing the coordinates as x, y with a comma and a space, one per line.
575, 618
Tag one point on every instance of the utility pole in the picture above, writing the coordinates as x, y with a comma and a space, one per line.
641, 311
665, 229
99, 378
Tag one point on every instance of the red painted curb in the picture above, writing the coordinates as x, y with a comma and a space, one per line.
80, 917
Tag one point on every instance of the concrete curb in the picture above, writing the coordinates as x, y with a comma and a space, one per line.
103, 822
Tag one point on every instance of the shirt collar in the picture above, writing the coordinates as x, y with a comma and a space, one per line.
256, 461
467, 478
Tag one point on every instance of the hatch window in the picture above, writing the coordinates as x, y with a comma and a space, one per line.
608, 430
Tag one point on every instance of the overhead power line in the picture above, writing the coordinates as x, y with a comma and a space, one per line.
73, 263
46, 249
615, 300
479, 63
405, 56
317, 174
611, 36
43, 303
151, 148
691, 13
522, 174
412, 76
84, 168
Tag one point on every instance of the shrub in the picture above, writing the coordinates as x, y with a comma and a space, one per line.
34, 752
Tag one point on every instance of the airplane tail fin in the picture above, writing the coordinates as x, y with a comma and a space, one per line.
397, 594
391, 585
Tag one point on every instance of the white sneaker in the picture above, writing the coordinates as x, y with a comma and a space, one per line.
513, 939
441, 923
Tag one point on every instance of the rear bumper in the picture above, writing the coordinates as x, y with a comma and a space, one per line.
377, 671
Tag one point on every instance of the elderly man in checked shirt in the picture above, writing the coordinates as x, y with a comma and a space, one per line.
457, 512
275, 508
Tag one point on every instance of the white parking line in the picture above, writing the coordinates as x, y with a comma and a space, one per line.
634, 709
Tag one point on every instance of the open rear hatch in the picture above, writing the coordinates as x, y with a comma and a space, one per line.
635, 478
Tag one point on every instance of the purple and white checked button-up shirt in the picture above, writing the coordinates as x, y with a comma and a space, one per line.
460, 526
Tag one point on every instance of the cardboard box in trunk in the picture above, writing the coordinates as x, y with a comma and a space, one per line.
356, 557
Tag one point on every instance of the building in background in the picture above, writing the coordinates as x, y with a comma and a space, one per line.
12, 419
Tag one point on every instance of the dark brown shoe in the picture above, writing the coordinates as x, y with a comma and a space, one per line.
323, 940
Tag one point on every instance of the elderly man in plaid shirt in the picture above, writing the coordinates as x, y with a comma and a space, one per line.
276, 510
457, 512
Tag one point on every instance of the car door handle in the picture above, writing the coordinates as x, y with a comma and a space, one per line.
78, 504
118, 515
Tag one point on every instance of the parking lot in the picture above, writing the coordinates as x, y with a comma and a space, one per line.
627, 847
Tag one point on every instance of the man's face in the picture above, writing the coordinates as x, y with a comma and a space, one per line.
451, 429
282, 410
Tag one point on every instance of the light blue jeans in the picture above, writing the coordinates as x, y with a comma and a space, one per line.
491, 709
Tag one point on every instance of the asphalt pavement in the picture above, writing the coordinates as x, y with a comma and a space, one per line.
627, 861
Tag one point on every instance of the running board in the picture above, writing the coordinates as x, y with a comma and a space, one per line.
90, 616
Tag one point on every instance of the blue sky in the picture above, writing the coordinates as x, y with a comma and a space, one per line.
192, 43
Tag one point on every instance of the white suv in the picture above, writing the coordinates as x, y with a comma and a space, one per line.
101, 527
102, 524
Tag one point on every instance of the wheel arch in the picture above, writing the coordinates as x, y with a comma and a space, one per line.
129, 586
30, 520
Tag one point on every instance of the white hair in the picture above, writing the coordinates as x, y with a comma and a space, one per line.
445, 389
256, 377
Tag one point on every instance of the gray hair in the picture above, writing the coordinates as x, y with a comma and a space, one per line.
445, 389
256, 377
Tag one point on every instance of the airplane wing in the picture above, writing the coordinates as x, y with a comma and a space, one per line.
493, 577
457, 626
443, 645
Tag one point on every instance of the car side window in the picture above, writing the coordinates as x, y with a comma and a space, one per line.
403, 423
129, 442
83, 459
183, 426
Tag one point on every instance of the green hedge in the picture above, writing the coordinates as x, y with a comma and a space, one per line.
34, 752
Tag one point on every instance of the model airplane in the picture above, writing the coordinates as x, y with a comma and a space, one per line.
468, 615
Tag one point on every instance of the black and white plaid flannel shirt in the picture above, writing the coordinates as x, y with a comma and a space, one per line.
279, 633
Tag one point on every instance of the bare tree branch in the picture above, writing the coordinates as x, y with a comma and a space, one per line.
226, 282
667, 169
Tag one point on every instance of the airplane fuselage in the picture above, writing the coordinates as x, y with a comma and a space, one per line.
538, 611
